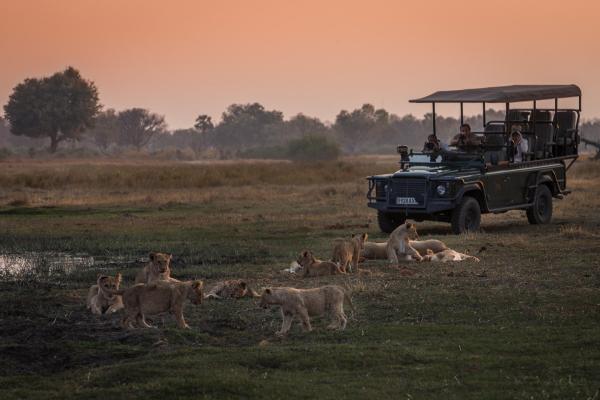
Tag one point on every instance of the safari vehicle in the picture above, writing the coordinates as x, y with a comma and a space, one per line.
457, 185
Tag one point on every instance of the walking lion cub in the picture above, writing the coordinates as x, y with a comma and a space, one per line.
156, 298
346, 252
305, 303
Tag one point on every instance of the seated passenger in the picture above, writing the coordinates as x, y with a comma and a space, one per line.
465, 138
434, 145
520, 145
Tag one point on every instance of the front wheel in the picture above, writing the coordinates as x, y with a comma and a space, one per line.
541, 211
389, 221
466, 217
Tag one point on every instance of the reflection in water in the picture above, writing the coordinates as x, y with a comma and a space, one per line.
14, 265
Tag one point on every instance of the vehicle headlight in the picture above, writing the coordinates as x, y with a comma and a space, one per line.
441, 189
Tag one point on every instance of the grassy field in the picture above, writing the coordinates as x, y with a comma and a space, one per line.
524, 323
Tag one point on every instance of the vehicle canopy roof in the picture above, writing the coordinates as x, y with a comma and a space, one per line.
502, 94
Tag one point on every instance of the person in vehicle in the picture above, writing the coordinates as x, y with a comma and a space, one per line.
465, 139
434, 145
520, 145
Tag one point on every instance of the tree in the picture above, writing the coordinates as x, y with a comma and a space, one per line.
204, 123
353, 128
137, 126
248, 125
60, 107
106, 129
301, 125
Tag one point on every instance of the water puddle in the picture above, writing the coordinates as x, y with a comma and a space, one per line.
44, 264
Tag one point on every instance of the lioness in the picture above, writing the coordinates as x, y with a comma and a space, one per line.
311, 266
303, 303
378, 250
159, 268
449, 255
99, 301
158, 297
346, 252
398, 245
234, 289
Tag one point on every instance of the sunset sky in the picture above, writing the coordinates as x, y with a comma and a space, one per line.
183, 58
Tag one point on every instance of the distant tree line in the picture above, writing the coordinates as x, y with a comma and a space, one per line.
65, 108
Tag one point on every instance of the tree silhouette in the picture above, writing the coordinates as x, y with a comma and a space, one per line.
204, 123
60, 107
137, 126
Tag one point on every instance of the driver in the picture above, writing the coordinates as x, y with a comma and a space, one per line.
465, 138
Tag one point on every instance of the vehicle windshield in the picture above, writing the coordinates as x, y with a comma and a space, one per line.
445, 157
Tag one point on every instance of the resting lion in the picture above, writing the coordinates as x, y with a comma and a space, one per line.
159, 268
99, 301
378, 250
448, 255
156, 298
346, 252
234, 289
311, 266
398, 246
304, 303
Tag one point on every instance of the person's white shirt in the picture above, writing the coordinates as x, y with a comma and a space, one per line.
521, 149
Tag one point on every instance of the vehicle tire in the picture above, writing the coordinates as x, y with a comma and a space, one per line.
466, 217
389, 221
541, 211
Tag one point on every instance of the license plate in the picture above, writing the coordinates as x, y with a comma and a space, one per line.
406, 201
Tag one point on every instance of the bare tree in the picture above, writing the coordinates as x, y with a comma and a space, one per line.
137, 126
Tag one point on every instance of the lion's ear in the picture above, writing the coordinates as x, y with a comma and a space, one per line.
169, 256
365, 236
118, 277
409, 225
152, 256
305, 253
243, 284
198, 284
268, 291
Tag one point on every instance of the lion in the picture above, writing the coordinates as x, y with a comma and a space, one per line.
311, 266
398, 245
158, 297
346, 252
449, 255
304, 303
235, 289
378, 250
99, 301
159, 268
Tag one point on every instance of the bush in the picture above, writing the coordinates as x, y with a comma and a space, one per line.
313, 148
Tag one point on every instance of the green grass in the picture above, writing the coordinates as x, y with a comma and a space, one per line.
523, 323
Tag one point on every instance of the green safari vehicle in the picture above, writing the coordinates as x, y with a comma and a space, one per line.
458, 184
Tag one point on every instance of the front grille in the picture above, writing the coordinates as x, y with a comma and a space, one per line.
408, 192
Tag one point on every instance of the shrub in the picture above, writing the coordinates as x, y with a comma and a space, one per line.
313, 148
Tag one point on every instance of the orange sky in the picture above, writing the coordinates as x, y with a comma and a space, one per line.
182, 58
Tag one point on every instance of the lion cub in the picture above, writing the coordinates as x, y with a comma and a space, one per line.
311, 266
159, 268
346, 252
156, 298
399, 244
378, 250
234, 289
304, 303
99, 300
448, 255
